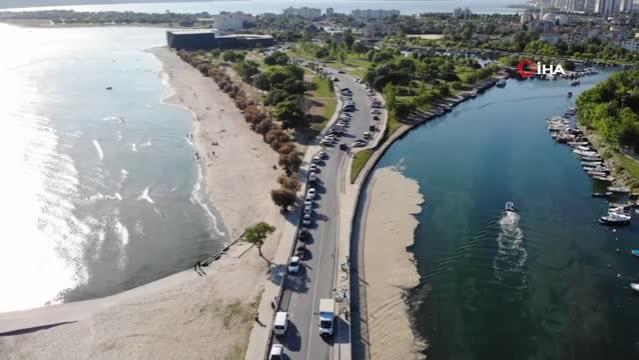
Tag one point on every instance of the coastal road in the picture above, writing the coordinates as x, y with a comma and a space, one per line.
316, 280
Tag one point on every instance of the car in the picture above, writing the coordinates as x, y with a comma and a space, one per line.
359, 143
367, 135
308, 203
376, 118
322, 154
301, 251
294, 265
335, 79
313, 168
312, 176
307, 220
347, 115
312, 191
372, 128
316, 159
376, 111
308, 209
305, 236
277, 352
341, 72
343, 147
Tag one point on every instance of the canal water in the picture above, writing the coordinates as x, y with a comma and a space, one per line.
545, 283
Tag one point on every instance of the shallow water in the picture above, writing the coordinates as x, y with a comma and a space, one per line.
100, 190
530, 285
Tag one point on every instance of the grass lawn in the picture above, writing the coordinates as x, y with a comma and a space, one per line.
632, 167
360, 159
324, 95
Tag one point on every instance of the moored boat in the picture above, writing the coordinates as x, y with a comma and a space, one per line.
618, 189
634, 286
606, 194
635, 252
510, 206
614, 218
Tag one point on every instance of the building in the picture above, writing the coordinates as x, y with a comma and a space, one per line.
228, 21
626, 6
304, 12
330, 12
207, 40
630, 45
373, 14
607, 7
550, 38
462, 13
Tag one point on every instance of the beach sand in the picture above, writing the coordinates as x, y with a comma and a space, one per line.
186, 315
393, 202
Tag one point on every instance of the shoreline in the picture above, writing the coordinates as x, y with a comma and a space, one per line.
176, 316
389, 212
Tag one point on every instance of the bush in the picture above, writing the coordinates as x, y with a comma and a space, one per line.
276, 58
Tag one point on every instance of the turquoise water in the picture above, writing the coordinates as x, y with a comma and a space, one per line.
547, 283
407, 7
93, 205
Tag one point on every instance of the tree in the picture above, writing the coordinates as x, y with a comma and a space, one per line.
256, 235
261, 81
246, 69
390, 96
276, 58
290, 114
283, 198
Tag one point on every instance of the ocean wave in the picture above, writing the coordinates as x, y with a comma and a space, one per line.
198, 196
134, 148
145, 195
146, 144
98, 148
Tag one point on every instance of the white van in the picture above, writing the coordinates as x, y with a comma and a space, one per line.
281, 323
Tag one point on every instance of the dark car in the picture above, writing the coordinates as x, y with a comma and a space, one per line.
341, 72
372, 128
376, 117
305, 236
343, 147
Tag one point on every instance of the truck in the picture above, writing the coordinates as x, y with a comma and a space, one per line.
326, 317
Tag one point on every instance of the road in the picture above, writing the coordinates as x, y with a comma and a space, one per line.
303, 291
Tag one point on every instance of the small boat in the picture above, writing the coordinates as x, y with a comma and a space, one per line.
634, 287
618, 189
603, 178
597, 173
571, 111
501, 83
569, 94
510, 206
635, 252
598, 195
590, 163
586, 153
614, 218
575, 83
109, 88
591, 158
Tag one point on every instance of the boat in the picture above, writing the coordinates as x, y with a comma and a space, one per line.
597, 173
510, 207
586, 153
590, 163
109, 88
569, 94
571, 111
603, 178
597, 194
634, 286
635, 252
591, 158
614, 218
575, 83
501, 83
618, 189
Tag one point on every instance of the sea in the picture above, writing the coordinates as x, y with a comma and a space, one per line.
546, 282
100, 190
406, 7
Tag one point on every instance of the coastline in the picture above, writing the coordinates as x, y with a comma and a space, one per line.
388, 225
177, 316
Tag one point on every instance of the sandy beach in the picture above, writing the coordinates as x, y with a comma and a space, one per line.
189, 315
393, 202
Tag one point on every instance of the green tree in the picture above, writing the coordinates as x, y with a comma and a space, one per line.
246, 69
290, 113
390, 96
256, 234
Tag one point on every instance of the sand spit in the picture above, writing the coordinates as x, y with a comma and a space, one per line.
189, 315
393, 202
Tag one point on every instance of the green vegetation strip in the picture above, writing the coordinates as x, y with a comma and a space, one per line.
359, 161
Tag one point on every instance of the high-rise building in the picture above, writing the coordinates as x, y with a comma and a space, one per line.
373, 14
626, 6
606, 7
305, 12
330, 12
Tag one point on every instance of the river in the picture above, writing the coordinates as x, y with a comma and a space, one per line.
100, 191
546, 283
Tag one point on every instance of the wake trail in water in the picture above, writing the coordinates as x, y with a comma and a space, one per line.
98, 148
510, 260
145, 195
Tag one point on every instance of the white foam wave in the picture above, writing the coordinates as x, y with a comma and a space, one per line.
111, 118
145, 195
134, 148
98, 148
198, 197
146, 144
122, 232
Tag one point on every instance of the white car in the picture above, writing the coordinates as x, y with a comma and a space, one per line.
294, 265
308, 203
308, 209
313, 168
312, 192
322, 154
326, 142
316, 158
277, 352
359, 143
312, 176
307, 219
